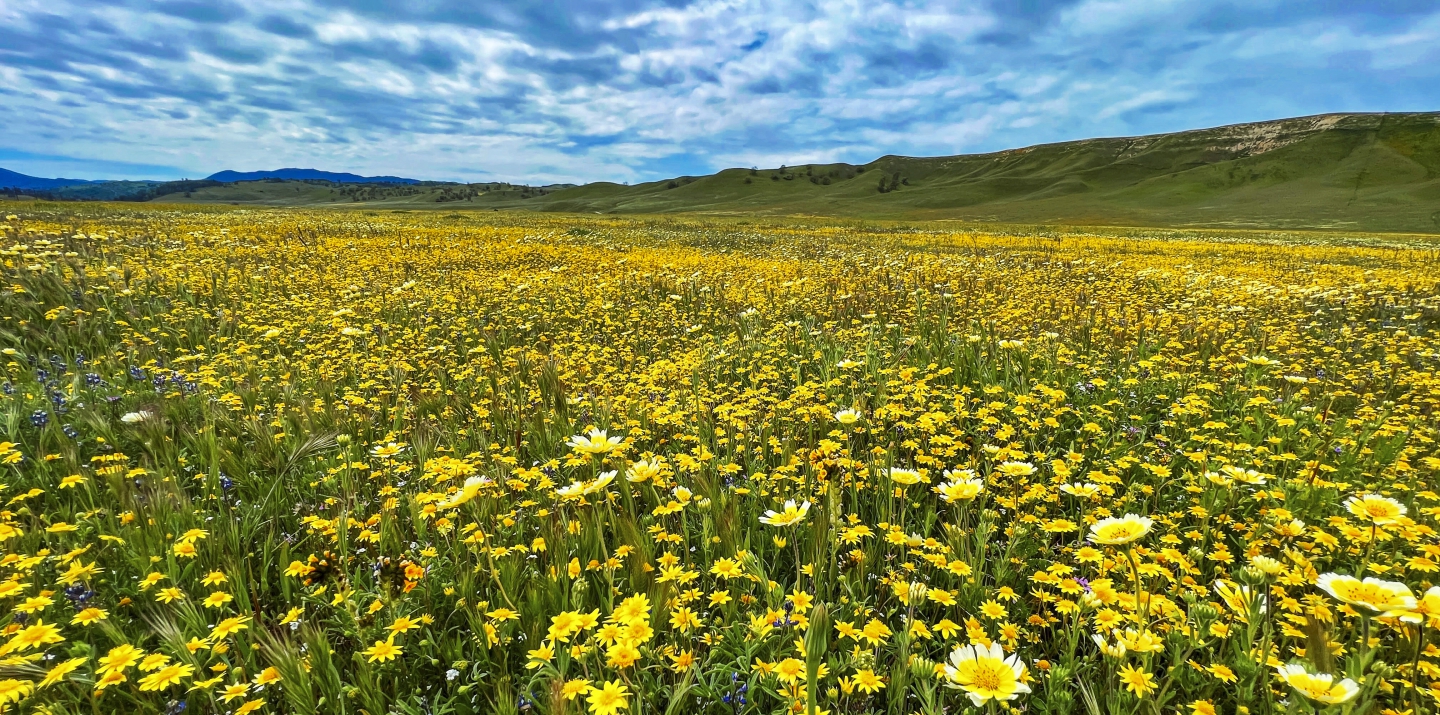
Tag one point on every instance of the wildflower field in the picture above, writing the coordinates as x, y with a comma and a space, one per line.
338, 462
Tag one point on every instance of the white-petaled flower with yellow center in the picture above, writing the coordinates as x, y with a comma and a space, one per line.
1117, 650
903, 476
1427, 607
131, 418
960, 489
985, 673
1318, 688
1267, 565
1244, 476
472, 486
791, 516
1386, 599
1118, 531
1292, 529
847, 417
590, 486
1375, 509
596, 441
599, 483
642, 470
1081, 491
1218, 479
387, 450
1015, 469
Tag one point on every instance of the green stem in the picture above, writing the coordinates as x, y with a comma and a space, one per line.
1369, 548
799, 575
1142, 610
1415, 668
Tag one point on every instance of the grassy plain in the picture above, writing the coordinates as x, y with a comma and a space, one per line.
281, 460
1366, 172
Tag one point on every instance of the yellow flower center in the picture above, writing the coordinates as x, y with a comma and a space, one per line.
987, 679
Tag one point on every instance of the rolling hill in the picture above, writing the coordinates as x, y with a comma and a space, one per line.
1358, 171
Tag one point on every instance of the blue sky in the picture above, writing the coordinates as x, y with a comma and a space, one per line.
632, 90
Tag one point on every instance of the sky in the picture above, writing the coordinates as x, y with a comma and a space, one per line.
635, 90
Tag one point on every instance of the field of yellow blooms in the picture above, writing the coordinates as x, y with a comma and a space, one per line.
306, 462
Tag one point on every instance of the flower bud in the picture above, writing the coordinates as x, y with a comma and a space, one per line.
922, 668
1204, 614
817, 635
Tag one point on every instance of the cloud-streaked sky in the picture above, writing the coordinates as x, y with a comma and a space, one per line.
631, 90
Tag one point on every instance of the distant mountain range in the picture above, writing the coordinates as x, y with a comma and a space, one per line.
306, 175
12, 180
15, 180
1362, 172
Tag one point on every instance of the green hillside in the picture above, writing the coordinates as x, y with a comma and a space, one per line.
1366, 172
1369, 172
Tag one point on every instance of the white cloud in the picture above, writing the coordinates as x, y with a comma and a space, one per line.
1143, 99
663, 90
1102, 17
